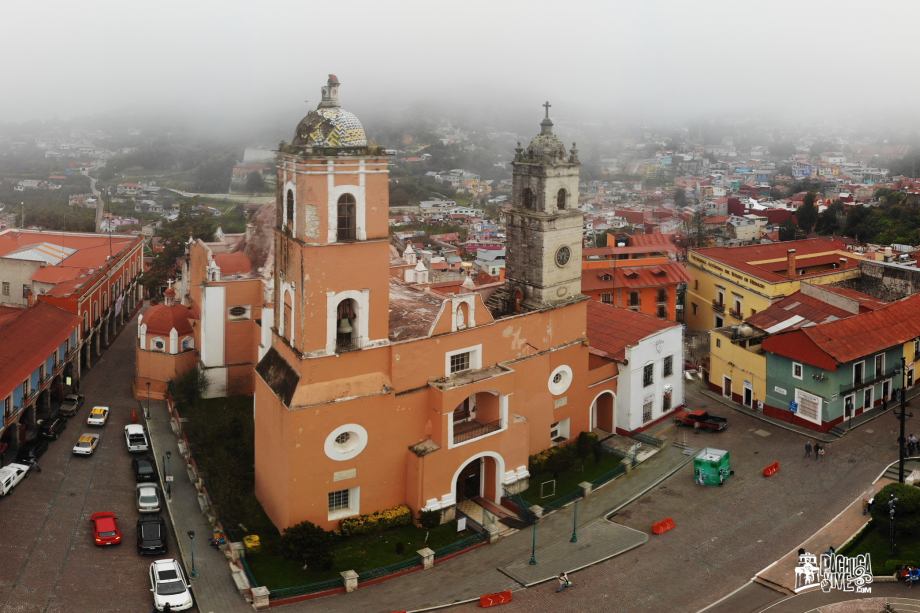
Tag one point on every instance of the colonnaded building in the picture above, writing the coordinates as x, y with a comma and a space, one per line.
378, 392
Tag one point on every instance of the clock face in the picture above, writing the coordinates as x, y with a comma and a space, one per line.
562, 256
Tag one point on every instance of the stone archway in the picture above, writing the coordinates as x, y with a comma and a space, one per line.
603, 412
480, 475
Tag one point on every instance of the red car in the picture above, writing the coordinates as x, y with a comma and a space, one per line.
105, 529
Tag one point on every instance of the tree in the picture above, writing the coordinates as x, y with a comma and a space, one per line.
831, 219
697, 230
907, 509
787, 230
254, 182
680, 197
807, 215
308, 543
187, 389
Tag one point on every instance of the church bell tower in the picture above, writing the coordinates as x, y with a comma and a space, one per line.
544, 224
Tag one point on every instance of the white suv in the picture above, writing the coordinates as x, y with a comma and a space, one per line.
11, 475
136, 438
169, 587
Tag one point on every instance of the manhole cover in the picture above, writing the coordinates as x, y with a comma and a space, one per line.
762, 433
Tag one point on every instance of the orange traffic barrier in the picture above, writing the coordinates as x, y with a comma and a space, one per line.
660, 527
771, 470
491, 600
133, 416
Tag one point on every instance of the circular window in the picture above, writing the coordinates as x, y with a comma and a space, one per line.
346, 442
560, 380
562, 256
237, 311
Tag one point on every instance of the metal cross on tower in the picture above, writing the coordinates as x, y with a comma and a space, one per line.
546, 106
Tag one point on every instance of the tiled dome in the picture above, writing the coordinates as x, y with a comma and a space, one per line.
162, 318
330, 125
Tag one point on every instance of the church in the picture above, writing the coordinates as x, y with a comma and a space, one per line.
378, 391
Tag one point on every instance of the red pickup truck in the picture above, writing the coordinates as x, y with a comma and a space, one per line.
701, 420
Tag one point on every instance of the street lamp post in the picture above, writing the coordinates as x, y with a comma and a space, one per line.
147, 408
892, 501
167, 477
574, 538
191, 537
902, 415
533, 545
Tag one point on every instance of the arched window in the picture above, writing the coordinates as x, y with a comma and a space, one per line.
530, 202
347, 220
289, 209
346, 332
462, 316
560, 199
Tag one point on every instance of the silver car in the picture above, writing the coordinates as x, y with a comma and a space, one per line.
148, 498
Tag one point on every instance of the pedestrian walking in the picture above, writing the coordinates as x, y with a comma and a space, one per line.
808, 449
819, 451
912, 444
564, 582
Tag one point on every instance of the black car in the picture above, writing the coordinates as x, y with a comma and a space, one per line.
52, 427
30, 451
151, 536
144, 470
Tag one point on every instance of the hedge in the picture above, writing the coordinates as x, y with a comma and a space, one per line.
376, 521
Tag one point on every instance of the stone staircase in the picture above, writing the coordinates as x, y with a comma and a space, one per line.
910, 465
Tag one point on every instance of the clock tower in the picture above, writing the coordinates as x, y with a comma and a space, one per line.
544, 223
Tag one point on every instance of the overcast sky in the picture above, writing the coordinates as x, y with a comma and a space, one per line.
643, 59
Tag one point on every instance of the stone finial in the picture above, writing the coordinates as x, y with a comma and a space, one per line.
330, 93
573, 153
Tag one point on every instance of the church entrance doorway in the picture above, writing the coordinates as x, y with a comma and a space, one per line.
469, 483
602, 408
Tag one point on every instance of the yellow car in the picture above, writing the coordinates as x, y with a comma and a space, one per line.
97, 416
86, 444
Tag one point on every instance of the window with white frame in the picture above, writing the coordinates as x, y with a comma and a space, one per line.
158, 344
560, 430
880, 365
459, 362
858, 372
648, 375
8, 406
343, 503
668, 366
867, 398
607, 298
797, 371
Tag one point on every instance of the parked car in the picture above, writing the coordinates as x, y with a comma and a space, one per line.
151, 535
167, 582
71, 404
86, 444
148, 498
701, 420
97, 416
52, 427
30, 451
11, 475
105, 529
136, 438
144, 470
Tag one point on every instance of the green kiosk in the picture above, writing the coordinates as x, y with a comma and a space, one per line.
712, 466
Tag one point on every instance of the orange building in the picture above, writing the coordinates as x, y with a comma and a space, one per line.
375, 392
219, 324
639, 273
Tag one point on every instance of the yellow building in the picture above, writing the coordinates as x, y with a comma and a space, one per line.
729, 284
737, 366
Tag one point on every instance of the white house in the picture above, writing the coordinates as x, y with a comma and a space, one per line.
650, 356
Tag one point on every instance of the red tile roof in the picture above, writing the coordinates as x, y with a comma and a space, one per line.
22, 350
611, 330
652, 239
847, 339
659, 275
741, 258
236, 263
162, 318
810, 310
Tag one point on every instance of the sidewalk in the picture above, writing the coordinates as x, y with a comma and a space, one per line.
213, 588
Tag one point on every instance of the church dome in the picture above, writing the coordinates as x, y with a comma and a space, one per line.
162, 318
330, 125
545, 146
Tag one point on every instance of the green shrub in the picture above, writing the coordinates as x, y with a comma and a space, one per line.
429, 519
400, 548
376, 521
907, 509
585, 444
308, 543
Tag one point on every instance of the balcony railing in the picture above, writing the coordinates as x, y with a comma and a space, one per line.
468, 430
871, 380
734, 313
718, 306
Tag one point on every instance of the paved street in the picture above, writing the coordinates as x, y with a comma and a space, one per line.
49, 562
724, 535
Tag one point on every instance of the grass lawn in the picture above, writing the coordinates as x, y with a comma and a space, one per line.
874, 540
220, 432
567, 482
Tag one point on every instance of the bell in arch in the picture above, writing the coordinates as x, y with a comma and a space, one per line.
345, 326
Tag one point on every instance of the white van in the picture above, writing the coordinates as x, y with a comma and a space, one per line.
136, 438
10, 476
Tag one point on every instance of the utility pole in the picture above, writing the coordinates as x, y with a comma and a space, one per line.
901, 417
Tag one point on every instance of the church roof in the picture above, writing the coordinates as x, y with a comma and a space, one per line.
162, 318
330, 125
